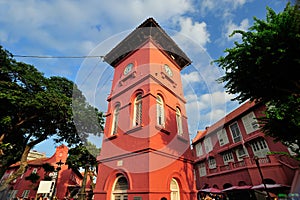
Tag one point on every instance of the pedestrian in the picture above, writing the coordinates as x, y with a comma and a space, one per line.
207, 197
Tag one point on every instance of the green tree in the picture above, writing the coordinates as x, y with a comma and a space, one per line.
84, 156
48, 168
264, 67
34, 108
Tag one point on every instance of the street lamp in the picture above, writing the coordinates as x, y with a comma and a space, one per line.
56, 172
256, 159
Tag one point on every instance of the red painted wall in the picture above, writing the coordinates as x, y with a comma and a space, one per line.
149, 156
279, 168
66, 176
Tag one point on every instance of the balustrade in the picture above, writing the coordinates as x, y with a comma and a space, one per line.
246, 162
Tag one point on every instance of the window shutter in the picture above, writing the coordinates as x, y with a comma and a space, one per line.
250, 123
222, 137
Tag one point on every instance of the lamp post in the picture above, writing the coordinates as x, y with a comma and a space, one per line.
56, 171
256, 159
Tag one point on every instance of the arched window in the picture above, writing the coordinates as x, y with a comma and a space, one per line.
120, 188
115, 120
160, 112
179, 122
137, 111
175, 195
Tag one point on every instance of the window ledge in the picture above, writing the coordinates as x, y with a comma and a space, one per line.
165, 76
111, 137
134, 129
128, 76
162, 129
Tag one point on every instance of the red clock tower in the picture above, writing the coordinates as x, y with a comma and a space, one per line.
146, 151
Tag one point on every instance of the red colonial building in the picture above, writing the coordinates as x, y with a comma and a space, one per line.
226, 150
146, 151
67, 180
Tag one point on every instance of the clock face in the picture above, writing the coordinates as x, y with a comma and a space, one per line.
168, 70
128, 68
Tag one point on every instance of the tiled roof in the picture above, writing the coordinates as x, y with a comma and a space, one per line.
39, 161
227, 119
199, 135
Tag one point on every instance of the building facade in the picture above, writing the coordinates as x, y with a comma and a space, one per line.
146, 151
226, 152
35, 155
66, 181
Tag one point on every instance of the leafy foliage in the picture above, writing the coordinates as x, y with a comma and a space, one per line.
34, 108
82, 155
264, 68
33, 177
48, 167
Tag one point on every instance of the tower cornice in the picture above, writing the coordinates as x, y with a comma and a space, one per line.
110, 97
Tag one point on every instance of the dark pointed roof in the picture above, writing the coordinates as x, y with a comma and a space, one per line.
149, 29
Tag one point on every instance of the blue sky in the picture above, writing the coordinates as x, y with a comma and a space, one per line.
93, 27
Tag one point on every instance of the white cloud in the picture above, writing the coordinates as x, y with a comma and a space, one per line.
194, 30
213, 116
75, 28
230, 27
63, 25
216, 99
222, 8
204, 110
234, 4
192, 77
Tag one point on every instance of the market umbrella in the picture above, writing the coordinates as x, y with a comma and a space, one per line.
211, 190
269, 186
244, 187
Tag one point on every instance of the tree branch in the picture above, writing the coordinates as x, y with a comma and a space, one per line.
21, 170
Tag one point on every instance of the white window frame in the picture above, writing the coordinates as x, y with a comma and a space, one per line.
240, 156
260, 148
121, 194
174, 187
222, 137
228, 157
115, 120
212, 164
179, 122
250, 123
233, 133
137, 111
160, 111
25, 193
199, 150
202, 169
12, 194
207, 145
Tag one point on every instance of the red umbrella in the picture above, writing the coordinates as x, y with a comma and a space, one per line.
244, 187
269, 186
211, 190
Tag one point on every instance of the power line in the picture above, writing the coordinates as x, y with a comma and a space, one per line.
34, 56
90, 73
